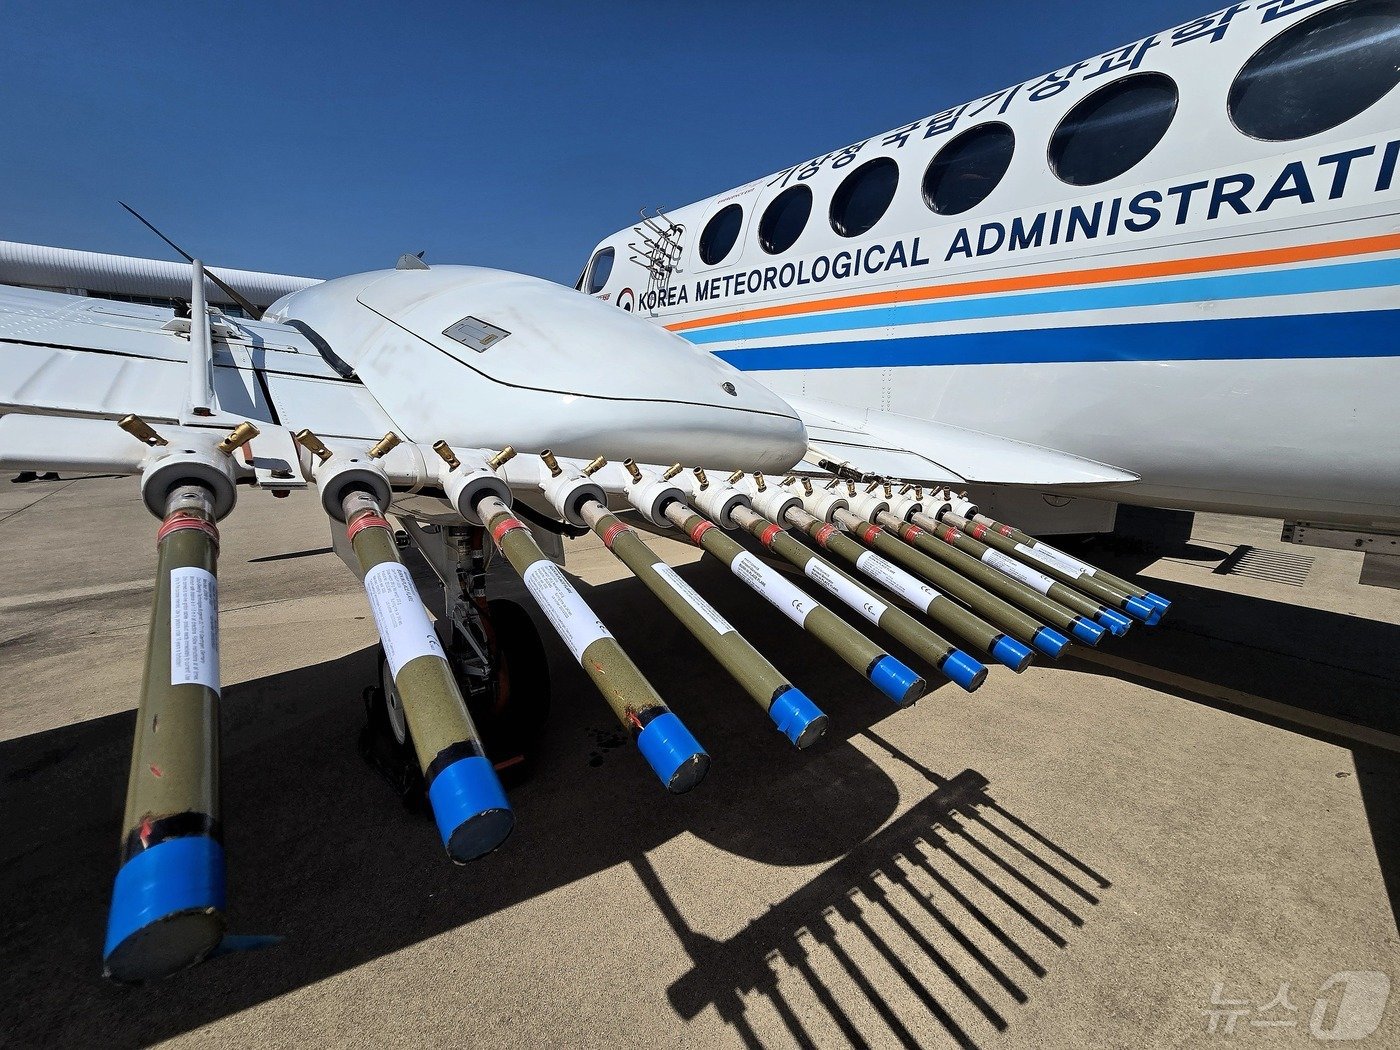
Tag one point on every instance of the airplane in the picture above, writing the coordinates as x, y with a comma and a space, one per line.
1177, 260
454, 409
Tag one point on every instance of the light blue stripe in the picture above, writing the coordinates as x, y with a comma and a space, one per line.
1336, 278
1344, 335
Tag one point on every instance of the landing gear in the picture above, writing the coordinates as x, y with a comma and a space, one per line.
497, 658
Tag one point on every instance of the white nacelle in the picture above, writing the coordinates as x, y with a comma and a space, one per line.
481, 358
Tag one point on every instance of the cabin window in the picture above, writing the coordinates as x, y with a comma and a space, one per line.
1319, 73
599, 270
864, 196
718, 237
784, 219
967, 169
1111, 130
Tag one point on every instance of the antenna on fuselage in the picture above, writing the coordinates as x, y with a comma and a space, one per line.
247, 307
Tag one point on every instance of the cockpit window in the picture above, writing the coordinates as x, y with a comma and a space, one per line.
599, 270
1319, 73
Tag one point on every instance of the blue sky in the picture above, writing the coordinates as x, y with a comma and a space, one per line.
326, 139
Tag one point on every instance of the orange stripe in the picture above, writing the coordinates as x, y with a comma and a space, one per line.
1103, 275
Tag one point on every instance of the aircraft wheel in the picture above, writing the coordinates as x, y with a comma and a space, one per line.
386, 742
511, 715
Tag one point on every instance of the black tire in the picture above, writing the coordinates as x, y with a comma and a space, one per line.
512, 716
386, 742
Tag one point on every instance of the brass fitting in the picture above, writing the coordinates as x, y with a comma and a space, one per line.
735, 477
671, 472
700, 477
309, 441
632, 469
237, 438
551, 463
384, 445
445, 453
501, 458
141, 430
806, 487
595, 466
889, 490
759, 482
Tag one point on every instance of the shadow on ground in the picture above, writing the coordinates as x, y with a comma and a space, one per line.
1315, 661
324, 858
964, 903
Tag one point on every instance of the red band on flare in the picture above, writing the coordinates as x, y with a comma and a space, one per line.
977, 531
870, 533
176, 524
365, 521
949, 533
612, 532
1005, 530
911, 533
504, 527
824, 534
767, 536
700, 530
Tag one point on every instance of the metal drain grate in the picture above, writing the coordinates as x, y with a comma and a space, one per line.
1275, 566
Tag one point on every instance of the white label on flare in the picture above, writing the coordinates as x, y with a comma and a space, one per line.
1030, 577
859, 599
567, 612
692, 598
194, 628
894, 579
1056, 560
402, 622
782, 595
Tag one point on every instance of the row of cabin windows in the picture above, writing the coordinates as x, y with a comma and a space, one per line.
1310, 78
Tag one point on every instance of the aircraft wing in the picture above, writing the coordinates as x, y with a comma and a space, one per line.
71, 365
923, 451
199, 406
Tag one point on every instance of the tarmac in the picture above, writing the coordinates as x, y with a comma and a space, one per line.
1188, 838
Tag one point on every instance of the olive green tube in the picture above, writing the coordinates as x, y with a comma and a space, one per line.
1015, 535
1001, 614
949, 535
1014, 591
760, 679
938, 607
469, 805
666, 744
898, 623
168, 900
895, 680
1086, 581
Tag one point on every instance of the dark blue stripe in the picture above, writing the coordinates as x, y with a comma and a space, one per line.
1343, 277
1366, 334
